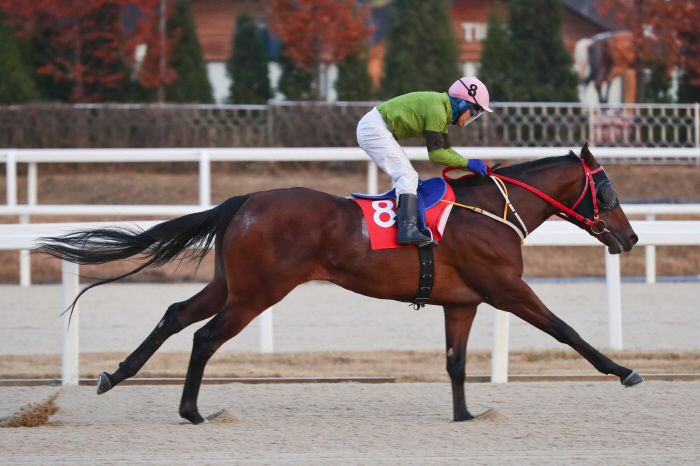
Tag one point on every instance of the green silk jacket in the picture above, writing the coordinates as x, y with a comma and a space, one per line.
423, 115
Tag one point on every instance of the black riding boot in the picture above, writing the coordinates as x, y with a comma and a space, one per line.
407, 219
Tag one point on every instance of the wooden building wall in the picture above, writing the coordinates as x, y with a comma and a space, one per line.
216, 20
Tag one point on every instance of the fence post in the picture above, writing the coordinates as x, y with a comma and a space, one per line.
697, 124
204, 179
11, 170
591, 125
650, 256
499, 354
270, 124
70, 368
32, 183
486, 137
265, 331
25, 263
371, 177
612, 278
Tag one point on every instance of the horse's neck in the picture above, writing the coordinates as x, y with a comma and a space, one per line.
562, 183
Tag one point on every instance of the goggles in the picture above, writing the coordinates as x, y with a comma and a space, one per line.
461, 106
474, 113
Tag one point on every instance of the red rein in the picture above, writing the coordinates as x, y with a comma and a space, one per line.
567, 212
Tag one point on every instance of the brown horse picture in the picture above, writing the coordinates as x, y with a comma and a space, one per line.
267, 243
607, 55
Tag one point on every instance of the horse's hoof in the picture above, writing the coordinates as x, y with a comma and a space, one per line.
463, 417
488, 414
103, 383
632, 380
197, 420
194, 417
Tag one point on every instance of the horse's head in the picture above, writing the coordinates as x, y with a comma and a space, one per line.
613, 229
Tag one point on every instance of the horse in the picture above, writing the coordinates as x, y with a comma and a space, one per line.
607, 55
269, 242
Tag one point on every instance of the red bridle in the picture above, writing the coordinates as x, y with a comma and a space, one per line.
566, 211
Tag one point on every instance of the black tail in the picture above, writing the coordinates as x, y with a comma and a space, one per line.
190, 237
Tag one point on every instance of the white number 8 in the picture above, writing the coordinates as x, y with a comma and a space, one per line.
385, 209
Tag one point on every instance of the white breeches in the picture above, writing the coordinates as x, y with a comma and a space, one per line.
374, 137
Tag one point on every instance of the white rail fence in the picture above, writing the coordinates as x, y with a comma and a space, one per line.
552, 233
204, 157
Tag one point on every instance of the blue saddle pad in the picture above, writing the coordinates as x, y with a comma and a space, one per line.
430, 192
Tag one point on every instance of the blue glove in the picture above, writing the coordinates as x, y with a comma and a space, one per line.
477, 166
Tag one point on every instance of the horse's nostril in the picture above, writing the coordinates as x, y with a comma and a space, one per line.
633, 240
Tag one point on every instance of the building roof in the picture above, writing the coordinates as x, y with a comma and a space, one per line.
588, 10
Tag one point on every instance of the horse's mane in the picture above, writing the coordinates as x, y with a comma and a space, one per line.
521, 169
537, 165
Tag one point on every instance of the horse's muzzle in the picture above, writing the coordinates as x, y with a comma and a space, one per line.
619, 241
626, 241
632, 240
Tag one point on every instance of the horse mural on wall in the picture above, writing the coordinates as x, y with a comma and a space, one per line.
606, 56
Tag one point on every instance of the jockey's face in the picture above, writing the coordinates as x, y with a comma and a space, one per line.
464, 119
469, 116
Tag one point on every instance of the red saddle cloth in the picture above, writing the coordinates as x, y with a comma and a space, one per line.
380, 216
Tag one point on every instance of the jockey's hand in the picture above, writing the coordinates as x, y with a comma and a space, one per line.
477, 166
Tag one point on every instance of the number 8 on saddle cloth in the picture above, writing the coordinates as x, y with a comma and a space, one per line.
430, 192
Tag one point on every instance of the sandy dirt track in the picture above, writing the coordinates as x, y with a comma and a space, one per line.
539, 423
318, 316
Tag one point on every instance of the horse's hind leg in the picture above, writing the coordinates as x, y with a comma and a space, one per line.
520, 300
458, 324
230, 321
178, 316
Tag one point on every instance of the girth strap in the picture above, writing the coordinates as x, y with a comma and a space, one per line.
425, 279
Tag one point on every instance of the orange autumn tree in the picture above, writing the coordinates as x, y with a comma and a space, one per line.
677, 25
154, 71
318, 33
664, 31
83, 43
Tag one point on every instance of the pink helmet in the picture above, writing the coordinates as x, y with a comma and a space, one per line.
471, 90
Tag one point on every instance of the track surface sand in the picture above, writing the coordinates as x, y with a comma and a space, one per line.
323, 317
540, 423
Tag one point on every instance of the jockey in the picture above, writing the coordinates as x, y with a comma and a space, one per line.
420, 115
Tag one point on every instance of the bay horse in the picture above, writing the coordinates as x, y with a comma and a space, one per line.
267, 243
608, 55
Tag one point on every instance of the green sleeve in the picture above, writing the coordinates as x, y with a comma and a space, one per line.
439, 149
448, 157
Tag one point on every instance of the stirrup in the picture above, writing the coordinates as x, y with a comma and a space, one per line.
428, 244
418, 239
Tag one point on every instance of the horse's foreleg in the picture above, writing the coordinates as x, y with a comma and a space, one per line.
458, 324
230, 321
178, 316
520, 300
599, 91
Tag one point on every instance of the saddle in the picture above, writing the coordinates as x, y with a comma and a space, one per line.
430, 192
379, 218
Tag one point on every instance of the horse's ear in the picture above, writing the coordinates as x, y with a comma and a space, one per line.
588, 157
